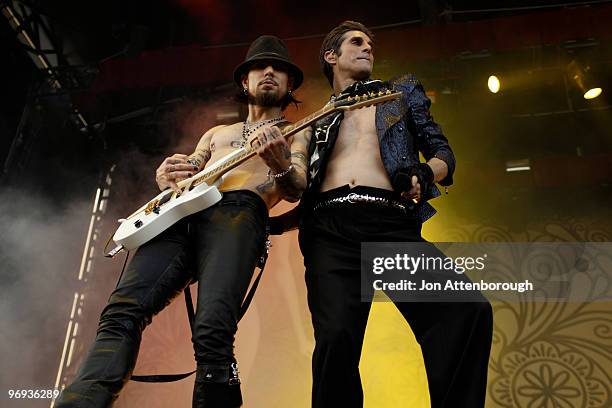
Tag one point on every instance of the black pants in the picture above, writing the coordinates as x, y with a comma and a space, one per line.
455, 338
219, 248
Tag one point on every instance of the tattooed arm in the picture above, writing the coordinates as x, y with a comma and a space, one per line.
179, 167
287, 160
294, 183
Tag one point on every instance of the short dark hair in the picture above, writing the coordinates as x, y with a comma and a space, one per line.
333, 40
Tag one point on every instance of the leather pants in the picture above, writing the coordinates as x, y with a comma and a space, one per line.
219, 248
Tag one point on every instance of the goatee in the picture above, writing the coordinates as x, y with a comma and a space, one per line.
265, 99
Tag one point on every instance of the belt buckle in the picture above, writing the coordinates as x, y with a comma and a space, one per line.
350, 198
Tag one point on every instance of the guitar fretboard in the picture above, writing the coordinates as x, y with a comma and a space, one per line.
234, 159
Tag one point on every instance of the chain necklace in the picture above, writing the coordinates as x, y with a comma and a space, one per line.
248, 128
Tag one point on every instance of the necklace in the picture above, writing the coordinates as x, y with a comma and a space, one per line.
248, 128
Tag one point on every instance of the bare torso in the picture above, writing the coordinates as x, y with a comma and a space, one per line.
251, 175
355, 159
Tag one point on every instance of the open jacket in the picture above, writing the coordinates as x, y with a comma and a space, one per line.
404, 126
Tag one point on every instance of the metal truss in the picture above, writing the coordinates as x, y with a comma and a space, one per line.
63, 73
48, 50
74, 346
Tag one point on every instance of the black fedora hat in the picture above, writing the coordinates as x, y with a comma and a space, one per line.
268, 47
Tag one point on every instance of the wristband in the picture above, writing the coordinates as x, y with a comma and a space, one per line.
281, 174
423, 172
427, 173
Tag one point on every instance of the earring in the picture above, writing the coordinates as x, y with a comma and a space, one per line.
245, 92
290, 92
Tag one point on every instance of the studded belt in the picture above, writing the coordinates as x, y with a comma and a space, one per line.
354, 198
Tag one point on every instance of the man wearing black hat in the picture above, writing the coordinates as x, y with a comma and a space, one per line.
218, 247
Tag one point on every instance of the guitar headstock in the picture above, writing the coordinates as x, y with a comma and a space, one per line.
344, 103
367, 99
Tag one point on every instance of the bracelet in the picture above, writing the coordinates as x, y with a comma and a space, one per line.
281, 174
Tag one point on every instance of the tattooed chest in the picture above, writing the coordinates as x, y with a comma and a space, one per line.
224, 143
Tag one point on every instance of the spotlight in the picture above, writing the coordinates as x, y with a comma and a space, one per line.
493, 84
592, 93
583, 80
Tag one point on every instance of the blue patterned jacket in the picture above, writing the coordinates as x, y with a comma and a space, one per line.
405, 127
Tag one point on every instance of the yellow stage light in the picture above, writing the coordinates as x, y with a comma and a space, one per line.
493, 84
592, 93
583, 79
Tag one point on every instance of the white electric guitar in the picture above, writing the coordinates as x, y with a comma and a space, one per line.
200, 191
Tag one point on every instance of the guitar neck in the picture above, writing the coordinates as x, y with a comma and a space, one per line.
239, 156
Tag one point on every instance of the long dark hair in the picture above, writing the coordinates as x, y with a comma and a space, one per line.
333, 40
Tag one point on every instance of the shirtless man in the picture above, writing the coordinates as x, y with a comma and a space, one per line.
218, 247
367, 184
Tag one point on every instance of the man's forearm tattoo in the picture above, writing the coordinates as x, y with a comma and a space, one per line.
266, 186
292, 185
200, 157
301, 161
286, 152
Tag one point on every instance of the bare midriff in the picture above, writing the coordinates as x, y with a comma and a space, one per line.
355, 159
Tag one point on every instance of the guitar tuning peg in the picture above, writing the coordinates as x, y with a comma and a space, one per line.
357, 98
380, 93
350, 98
365, 96
388, 92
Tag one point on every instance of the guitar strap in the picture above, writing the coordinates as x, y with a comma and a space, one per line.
164, 378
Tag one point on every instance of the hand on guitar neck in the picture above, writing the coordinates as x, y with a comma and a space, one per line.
287, 160
273, 149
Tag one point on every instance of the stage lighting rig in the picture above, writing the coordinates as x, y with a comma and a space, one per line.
580, 76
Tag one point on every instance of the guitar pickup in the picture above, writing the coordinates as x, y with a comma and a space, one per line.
164, 199
152, 206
